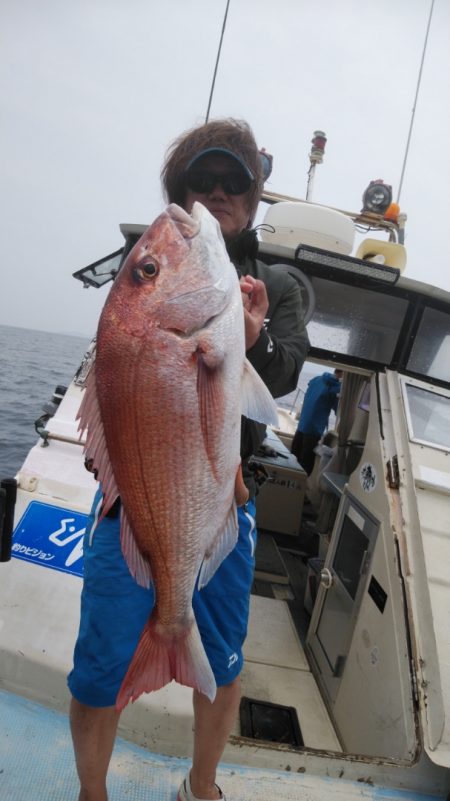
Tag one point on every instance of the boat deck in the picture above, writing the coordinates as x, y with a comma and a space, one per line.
276, 670
39, 611
36, 764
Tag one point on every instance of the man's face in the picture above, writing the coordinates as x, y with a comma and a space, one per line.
231, 211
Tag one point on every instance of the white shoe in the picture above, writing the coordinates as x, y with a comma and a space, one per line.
185, 793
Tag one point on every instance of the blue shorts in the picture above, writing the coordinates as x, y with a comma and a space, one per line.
114, 610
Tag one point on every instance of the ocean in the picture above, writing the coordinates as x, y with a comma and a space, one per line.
32, 364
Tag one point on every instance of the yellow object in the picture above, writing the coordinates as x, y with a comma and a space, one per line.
391, 254
392, 212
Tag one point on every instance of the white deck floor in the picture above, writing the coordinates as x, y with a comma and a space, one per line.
36, 764
276, 670
39, 611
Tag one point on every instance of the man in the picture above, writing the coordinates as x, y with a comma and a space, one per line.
218, 164
321, 397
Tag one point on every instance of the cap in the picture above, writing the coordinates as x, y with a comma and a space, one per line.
223, 151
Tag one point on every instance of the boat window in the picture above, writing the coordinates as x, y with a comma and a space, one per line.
430, 354
355, 321
101, 271
428, 415
349, 556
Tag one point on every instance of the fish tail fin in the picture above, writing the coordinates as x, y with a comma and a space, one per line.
191, 665
160, 657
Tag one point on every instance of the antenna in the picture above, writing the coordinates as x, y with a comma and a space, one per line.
217, 61
318, 142
415, 102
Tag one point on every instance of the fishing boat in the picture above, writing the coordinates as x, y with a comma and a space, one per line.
346, 683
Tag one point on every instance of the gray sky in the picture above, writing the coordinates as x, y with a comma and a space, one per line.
94, 90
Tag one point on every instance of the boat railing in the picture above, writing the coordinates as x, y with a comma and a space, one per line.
362, 218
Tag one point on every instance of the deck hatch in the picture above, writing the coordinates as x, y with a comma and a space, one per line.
262, 720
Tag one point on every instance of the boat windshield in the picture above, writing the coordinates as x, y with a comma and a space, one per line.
356, 321
430, 354
428, 416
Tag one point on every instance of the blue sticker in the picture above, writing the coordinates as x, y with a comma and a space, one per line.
52, 537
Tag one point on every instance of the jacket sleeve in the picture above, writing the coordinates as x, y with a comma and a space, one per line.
281, 349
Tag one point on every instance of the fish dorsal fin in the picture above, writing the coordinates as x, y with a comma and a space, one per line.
222, 546
96, 449
210, 401
256, 401
138, 565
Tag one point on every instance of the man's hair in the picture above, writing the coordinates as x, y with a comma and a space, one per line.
231, 134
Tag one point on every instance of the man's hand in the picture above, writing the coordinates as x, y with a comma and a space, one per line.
256, 304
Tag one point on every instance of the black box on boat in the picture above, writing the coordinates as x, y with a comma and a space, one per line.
275, 723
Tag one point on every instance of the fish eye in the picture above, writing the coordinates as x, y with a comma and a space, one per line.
148, 270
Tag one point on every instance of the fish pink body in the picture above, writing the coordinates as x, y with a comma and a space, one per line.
162, 410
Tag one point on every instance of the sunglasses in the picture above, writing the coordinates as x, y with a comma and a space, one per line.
203, 182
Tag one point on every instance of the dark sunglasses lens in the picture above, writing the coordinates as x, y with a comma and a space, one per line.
233, 183
201, 182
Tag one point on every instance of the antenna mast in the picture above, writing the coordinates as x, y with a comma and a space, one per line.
217, 61
318, 142
415, 102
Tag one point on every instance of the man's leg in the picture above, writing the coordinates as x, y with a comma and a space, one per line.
221, 610
93, 734
307, 456
212, 725
114, 610
296, 445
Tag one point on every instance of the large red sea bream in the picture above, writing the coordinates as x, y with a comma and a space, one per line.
162, 409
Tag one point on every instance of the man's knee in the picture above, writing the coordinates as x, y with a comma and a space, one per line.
93, 720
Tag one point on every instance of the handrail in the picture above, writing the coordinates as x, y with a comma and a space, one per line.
361, 218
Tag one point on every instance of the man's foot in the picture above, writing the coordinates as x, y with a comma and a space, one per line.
185, 793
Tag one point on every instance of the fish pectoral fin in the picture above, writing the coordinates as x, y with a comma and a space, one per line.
96, 449
138, 565
160, 657
256, 401
222, 546
210, 402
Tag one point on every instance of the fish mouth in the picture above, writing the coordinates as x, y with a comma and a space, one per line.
188, 309
187, 224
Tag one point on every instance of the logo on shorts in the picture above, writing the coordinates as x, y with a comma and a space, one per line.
232, 660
